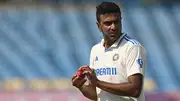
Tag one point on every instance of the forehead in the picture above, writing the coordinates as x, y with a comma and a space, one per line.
110, 17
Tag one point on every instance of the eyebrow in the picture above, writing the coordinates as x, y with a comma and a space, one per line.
111, 21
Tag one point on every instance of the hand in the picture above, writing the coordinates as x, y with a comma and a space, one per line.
78, 79
91, 75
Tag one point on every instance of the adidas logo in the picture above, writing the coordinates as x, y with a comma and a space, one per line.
96, 58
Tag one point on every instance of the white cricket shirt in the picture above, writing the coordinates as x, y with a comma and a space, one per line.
124, 58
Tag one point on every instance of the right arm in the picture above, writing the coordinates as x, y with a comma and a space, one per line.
89, 91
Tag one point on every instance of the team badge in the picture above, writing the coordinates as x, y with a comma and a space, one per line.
115, 57
140, 62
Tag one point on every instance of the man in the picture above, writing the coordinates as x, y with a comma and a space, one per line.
117, 63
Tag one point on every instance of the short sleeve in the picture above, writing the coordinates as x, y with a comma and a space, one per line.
136, 60
91, 60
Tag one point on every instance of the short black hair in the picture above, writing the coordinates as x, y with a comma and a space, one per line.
106, 7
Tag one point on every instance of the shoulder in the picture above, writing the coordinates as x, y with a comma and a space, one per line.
96, 47
131, 43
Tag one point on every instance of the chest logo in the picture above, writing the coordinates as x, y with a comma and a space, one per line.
115, 57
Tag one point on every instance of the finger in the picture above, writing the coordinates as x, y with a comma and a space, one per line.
77, 78
77, 82
88, 75
74, 81
81, 83
74, 76
85, 66
93, 70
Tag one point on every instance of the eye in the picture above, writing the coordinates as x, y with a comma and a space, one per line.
108, 23
116, 22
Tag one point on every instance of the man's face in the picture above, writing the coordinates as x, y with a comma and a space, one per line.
110, 26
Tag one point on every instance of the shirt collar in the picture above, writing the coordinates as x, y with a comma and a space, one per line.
116, 43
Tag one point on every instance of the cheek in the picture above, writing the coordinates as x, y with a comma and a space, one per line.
106, 28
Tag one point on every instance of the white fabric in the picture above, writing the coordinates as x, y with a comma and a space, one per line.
124, 58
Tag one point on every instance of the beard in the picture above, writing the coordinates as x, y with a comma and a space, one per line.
111, 37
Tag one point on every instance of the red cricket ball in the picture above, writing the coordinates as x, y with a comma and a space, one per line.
80, 73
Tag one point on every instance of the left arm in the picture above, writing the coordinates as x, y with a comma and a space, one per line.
131, 88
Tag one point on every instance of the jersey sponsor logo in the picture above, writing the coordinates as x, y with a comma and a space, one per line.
140, 62
106, 71
115, 57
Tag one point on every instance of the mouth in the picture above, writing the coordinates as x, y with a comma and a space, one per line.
112, 35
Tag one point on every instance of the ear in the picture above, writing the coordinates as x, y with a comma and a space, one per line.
99, 26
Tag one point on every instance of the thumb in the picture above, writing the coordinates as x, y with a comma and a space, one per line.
74, 76
88, 75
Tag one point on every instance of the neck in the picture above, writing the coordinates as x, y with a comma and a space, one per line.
107, 42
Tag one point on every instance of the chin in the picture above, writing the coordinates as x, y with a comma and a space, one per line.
114, 38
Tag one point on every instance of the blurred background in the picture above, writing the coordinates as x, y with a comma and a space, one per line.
43, 43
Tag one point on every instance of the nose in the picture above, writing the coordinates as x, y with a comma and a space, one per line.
113, 26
